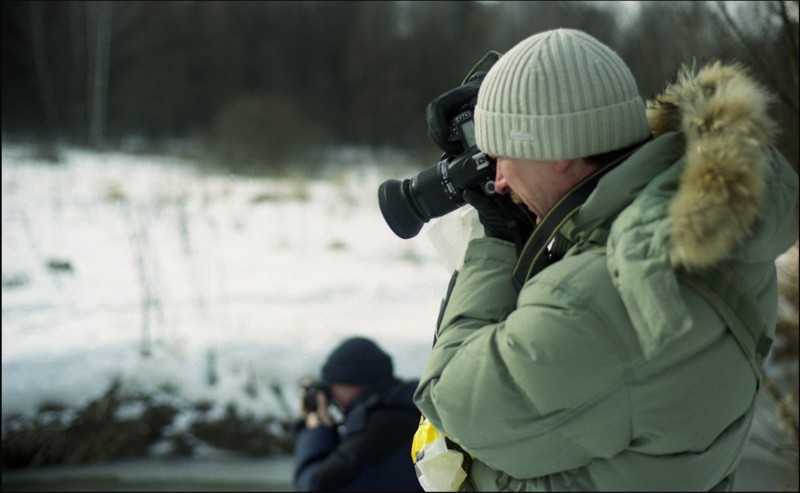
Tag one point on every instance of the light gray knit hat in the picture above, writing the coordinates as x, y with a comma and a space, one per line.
559, 94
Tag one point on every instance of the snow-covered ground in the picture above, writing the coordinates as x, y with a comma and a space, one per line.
231, 286
245, 282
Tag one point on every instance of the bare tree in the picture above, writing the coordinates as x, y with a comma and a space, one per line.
770, 46
43, 74
775, 18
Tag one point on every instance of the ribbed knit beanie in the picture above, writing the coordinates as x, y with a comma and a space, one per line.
357, 360
559, 94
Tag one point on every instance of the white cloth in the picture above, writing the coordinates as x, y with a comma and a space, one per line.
451, 234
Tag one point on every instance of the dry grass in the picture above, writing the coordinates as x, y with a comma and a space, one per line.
296, 190
785, 353
788, 317
101, 432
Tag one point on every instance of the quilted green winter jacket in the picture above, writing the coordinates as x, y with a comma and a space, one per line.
606, 371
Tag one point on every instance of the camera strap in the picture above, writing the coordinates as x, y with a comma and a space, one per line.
727, 293
543, 248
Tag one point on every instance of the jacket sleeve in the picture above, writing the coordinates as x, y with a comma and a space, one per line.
312, 448
527, 385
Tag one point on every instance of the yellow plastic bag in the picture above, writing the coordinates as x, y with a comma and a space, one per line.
438, 467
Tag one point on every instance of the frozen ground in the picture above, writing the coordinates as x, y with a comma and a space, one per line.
759, 471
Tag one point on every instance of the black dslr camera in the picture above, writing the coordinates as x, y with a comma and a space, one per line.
309, 393
435, 191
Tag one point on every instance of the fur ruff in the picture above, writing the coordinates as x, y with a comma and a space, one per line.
723, 113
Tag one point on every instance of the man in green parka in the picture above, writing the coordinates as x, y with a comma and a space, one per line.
621, 347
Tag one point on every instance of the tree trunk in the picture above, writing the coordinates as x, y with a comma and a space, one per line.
43, 76
98, 40
77, 72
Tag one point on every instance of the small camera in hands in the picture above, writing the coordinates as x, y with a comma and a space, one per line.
309, 393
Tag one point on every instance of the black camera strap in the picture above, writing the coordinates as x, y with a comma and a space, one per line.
534, 256
543, 247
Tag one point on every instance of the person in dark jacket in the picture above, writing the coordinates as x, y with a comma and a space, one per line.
370, 450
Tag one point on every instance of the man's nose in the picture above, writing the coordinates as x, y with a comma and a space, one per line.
500, 185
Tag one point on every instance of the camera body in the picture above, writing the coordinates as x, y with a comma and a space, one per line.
435, 191
309, 393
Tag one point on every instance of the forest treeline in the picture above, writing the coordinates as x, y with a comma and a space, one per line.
258, 83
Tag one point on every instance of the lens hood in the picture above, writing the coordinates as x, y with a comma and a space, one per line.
397, 210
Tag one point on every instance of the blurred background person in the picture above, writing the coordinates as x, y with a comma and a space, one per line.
369, 450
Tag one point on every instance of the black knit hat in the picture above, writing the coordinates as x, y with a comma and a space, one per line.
357, 360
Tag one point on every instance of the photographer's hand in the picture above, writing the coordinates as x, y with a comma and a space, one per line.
441, 111
320, 417
501, 218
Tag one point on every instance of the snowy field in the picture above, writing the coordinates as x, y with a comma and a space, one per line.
232, 285
225, 289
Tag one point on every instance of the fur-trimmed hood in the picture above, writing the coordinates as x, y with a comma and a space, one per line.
722, 112
709, 188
